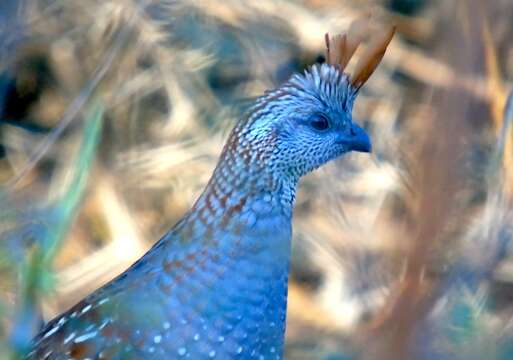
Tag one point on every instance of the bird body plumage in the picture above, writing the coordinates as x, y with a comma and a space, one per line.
215, 286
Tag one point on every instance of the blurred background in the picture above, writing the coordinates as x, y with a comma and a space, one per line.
113, 113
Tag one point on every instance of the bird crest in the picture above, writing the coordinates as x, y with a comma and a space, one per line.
341, 48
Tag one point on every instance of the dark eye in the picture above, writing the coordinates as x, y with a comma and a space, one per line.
320, 123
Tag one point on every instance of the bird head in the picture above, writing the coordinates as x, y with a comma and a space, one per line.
308, 121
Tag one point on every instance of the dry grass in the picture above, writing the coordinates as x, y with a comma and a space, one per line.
396, 256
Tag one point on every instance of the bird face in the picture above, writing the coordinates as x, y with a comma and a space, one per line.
310, 121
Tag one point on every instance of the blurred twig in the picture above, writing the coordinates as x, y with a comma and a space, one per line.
77, 104
36, 271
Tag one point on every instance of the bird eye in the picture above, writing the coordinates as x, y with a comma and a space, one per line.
320, 123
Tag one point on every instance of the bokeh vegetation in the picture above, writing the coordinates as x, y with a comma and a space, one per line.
113, 113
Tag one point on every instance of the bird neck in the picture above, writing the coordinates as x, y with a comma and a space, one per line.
247, 173
237, 182
246, 204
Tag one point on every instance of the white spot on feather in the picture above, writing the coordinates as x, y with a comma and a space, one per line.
86, 309
69, 338
103, 301
85, 337
51, 331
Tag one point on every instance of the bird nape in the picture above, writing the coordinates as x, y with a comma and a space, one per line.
215, 286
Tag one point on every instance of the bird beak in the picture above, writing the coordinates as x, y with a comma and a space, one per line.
356, 139
359, 140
